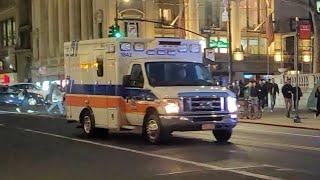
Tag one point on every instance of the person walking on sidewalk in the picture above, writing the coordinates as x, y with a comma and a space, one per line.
273, 90
262, 94
317, 95
296, 103
287, 94
253, 96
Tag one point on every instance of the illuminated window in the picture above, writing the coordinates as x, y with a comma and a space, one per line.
1, 66
8, 32
165, 15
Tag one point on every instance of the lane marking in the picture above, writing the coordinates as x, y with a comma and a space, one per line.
2, 125
198, 164
178, 172
249, 142
247, 167
275, 132
29, 114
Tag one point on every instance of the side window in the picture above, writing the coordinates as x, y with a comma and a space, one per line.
99, 66
137, 76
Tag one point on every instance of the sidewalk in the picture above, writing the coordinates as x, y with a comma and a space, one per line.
278, 118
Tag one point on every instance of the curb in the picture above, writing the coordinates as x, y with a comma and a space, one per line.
279, 125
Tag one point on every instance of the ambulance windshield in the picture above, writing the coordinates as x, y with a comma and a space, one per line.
178, 74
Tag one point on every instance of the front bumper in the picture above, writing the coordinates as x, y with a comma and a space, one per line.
195, 122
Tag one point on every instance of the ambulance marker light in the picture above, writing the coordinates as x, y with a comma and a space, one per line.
151, 52
195, 48
172, 52
161, 52
183, 48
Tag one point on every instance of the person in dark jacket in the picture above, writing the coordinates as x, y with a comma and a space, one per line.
262, 94
287, 94
253, 95
273, 90
317, 95
296, 103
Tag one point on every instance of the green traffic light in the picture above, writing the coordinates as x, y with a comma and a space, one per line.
117, 35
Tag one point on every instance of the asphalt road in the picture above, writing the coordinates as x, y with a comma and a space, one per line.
42, 147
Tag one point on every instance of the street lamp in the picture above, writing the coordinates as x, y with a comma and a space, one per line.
296, 117
306, 56
230, 43
238, 55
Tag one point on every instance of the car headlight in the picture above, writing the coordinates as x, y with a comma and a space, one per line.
171, 106
232, 104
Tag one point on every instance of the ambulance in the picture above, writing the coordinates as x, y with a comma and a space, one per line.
150, 86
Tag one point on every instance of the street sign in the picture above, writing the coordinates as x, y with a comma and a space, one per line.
132, 30
207, 31
218, 44
209, 54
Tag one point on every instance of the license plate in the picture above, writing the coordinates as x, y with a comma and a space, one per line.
207, 126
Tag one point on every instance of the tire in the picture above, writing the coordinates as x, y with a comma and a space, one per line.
222, 135
88, 124
153, 131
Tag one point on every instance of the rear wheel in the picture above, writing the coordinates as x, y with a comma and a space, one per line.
222, 135
153, 131
88, 124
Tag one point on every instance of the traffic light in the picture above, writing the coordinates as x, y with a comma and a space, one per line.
114, 31
318, 6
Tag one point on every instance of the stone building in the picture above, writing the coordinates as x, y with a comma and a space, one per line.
15, 40
57, 21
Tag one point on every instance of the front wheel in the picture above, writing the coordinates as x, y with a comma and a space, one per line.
222, 135
88, 125
153, 131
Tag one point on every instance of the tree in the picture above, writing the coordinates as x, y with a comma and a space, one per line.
309, 7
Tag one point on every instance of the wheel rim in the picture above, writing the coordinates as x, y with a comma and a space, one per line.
152, 130
87, 124
32, 101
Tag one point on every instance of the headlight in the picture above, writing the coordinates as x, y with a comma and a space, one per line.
171, 106
232, 104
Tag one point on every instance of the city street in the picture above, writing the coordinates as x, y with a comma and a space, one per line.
43, 147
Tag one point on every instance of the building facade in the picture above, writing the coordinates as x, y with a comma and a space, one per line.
15, 41
50, 23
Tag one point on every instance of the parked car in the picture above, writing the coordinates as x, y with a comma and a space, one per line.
13, 96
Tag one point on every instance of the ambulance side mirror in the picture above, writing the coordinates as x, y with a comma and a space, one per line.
126, 81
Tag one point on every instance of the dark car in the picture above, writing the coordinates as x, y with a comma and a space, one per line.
16, 97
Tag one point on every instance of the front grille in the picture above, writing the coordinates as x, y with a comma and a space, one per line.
196, 104
207, 119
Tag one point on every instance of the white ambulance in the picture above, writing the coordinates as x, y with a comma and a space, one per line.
153, 86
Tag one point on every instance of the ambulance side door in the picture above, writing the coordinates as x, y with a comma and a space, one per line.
134, 89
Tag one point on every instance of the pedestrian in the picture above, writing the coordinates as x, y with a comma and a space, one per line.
265, 93
56, 99
241, 89
253, 95
262, 94
287, 94
317, 95
235, 88
295, 101
23, 97
273, 90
